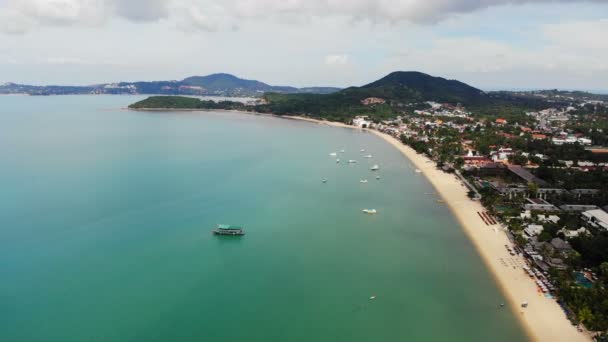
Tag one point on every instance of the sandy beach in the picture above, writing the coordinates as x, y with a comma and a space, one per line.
543, 319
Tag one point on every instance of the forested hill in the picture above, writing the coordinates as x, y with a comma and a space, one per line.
412, 85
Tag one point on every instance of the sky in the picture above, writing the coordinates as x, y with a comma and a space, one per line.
490, 44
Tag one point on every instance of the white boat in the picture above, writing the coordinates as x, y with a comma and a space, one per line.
352, 161
368, 156
372, 297
337, 161
375, 168
363, 181
342, 151
324, 180
333, 154
370, 211
362, 150
418, 171
378, 177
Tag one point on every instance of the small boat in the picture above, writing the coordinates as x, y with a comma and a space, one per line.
324, 180
370, 211
362, 150
363, 181
368, 156
337, 161
372, 297
226, 229
418, 171
333, 154
378, 177
352, 161
375, 168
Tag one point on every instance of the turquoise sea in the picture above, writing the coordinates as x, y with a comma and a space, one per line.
106, 214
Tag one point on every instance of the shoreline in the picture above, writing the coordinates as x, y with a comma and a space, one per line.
543, 319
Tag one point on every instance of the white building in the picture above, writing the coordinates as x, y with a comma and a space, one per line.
574, 233
596, 218
361, 122
533, 230
549, 218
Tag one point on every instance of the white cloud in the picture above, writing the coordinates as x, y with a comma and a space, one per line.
212, 15
337, 59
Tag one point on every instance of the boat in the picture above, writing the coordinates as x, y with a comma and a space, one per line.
226, 229
418, 171
368, 156
337, 161
372, 297
333, 154
362, 150
370, 211
324, 180
375, 168
352, 161
378, 177
363, 181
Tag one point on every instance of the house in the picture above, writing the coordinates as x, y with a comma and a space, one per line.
361, 122
538, 136
561, 246
556, 263
501, 121
533, 230
372, 100
597, 218
569, 234
549, 218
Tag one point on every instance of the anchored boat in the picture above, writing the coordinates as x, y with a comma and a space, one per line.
226, 229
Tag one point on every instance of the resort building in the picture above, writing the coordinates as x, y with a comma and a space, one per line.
596, 218
539, 204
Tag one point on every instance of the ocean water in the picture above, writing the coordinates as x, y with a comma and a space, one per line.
106, 219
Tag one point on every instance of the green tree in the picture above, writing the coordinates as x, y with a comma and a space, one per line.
532, 189
585, 315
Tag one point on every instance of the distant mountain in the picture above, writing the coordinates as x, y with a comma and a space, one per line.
382, 98
211, 85
417, 86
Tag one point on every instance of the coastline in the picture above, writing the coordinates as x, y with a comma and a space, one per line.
543, 319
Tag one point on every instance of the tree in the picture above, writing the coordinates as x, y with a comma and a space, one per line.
585, 315
532, 189
458, 163
604, 271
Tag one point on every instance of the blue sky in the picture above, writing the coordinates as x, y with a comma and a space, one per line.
491, 44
